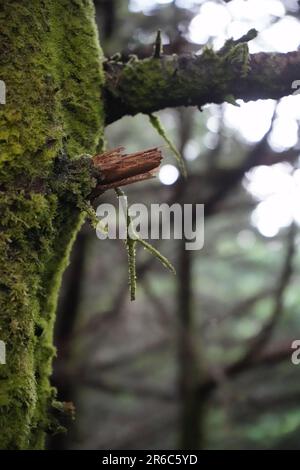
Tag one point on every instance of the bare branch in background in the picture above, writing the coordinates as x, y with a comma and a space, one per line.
260, 341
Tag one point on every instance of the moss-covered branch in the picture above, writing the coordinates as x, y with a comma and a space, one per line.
212, 77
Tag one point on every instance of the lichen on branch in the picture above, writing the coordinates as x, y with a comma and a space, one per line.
152, 84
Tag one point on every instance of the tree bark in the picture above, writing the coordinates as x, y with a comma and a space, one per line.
51, 64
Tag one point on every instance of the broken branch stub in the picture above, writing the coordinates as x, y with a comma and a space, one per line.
119, 169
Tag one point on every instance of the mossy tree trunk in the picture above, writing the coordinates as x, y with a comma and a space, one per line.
50, 61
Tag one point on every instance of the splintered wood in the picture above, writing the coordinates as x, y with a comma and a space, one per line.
119, 169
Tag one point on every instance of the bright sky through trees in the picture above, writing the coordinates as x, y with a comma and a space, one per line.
215, 21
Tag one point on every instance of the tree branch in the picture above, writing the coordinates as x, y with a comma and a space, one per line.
259, 342
266, 358
194, 80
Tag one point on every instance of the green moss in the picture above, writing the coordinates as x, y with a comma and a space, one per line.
51, 63
148, 76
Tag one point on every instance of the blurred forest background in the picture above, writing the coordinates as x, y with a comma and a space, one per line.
201, 359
